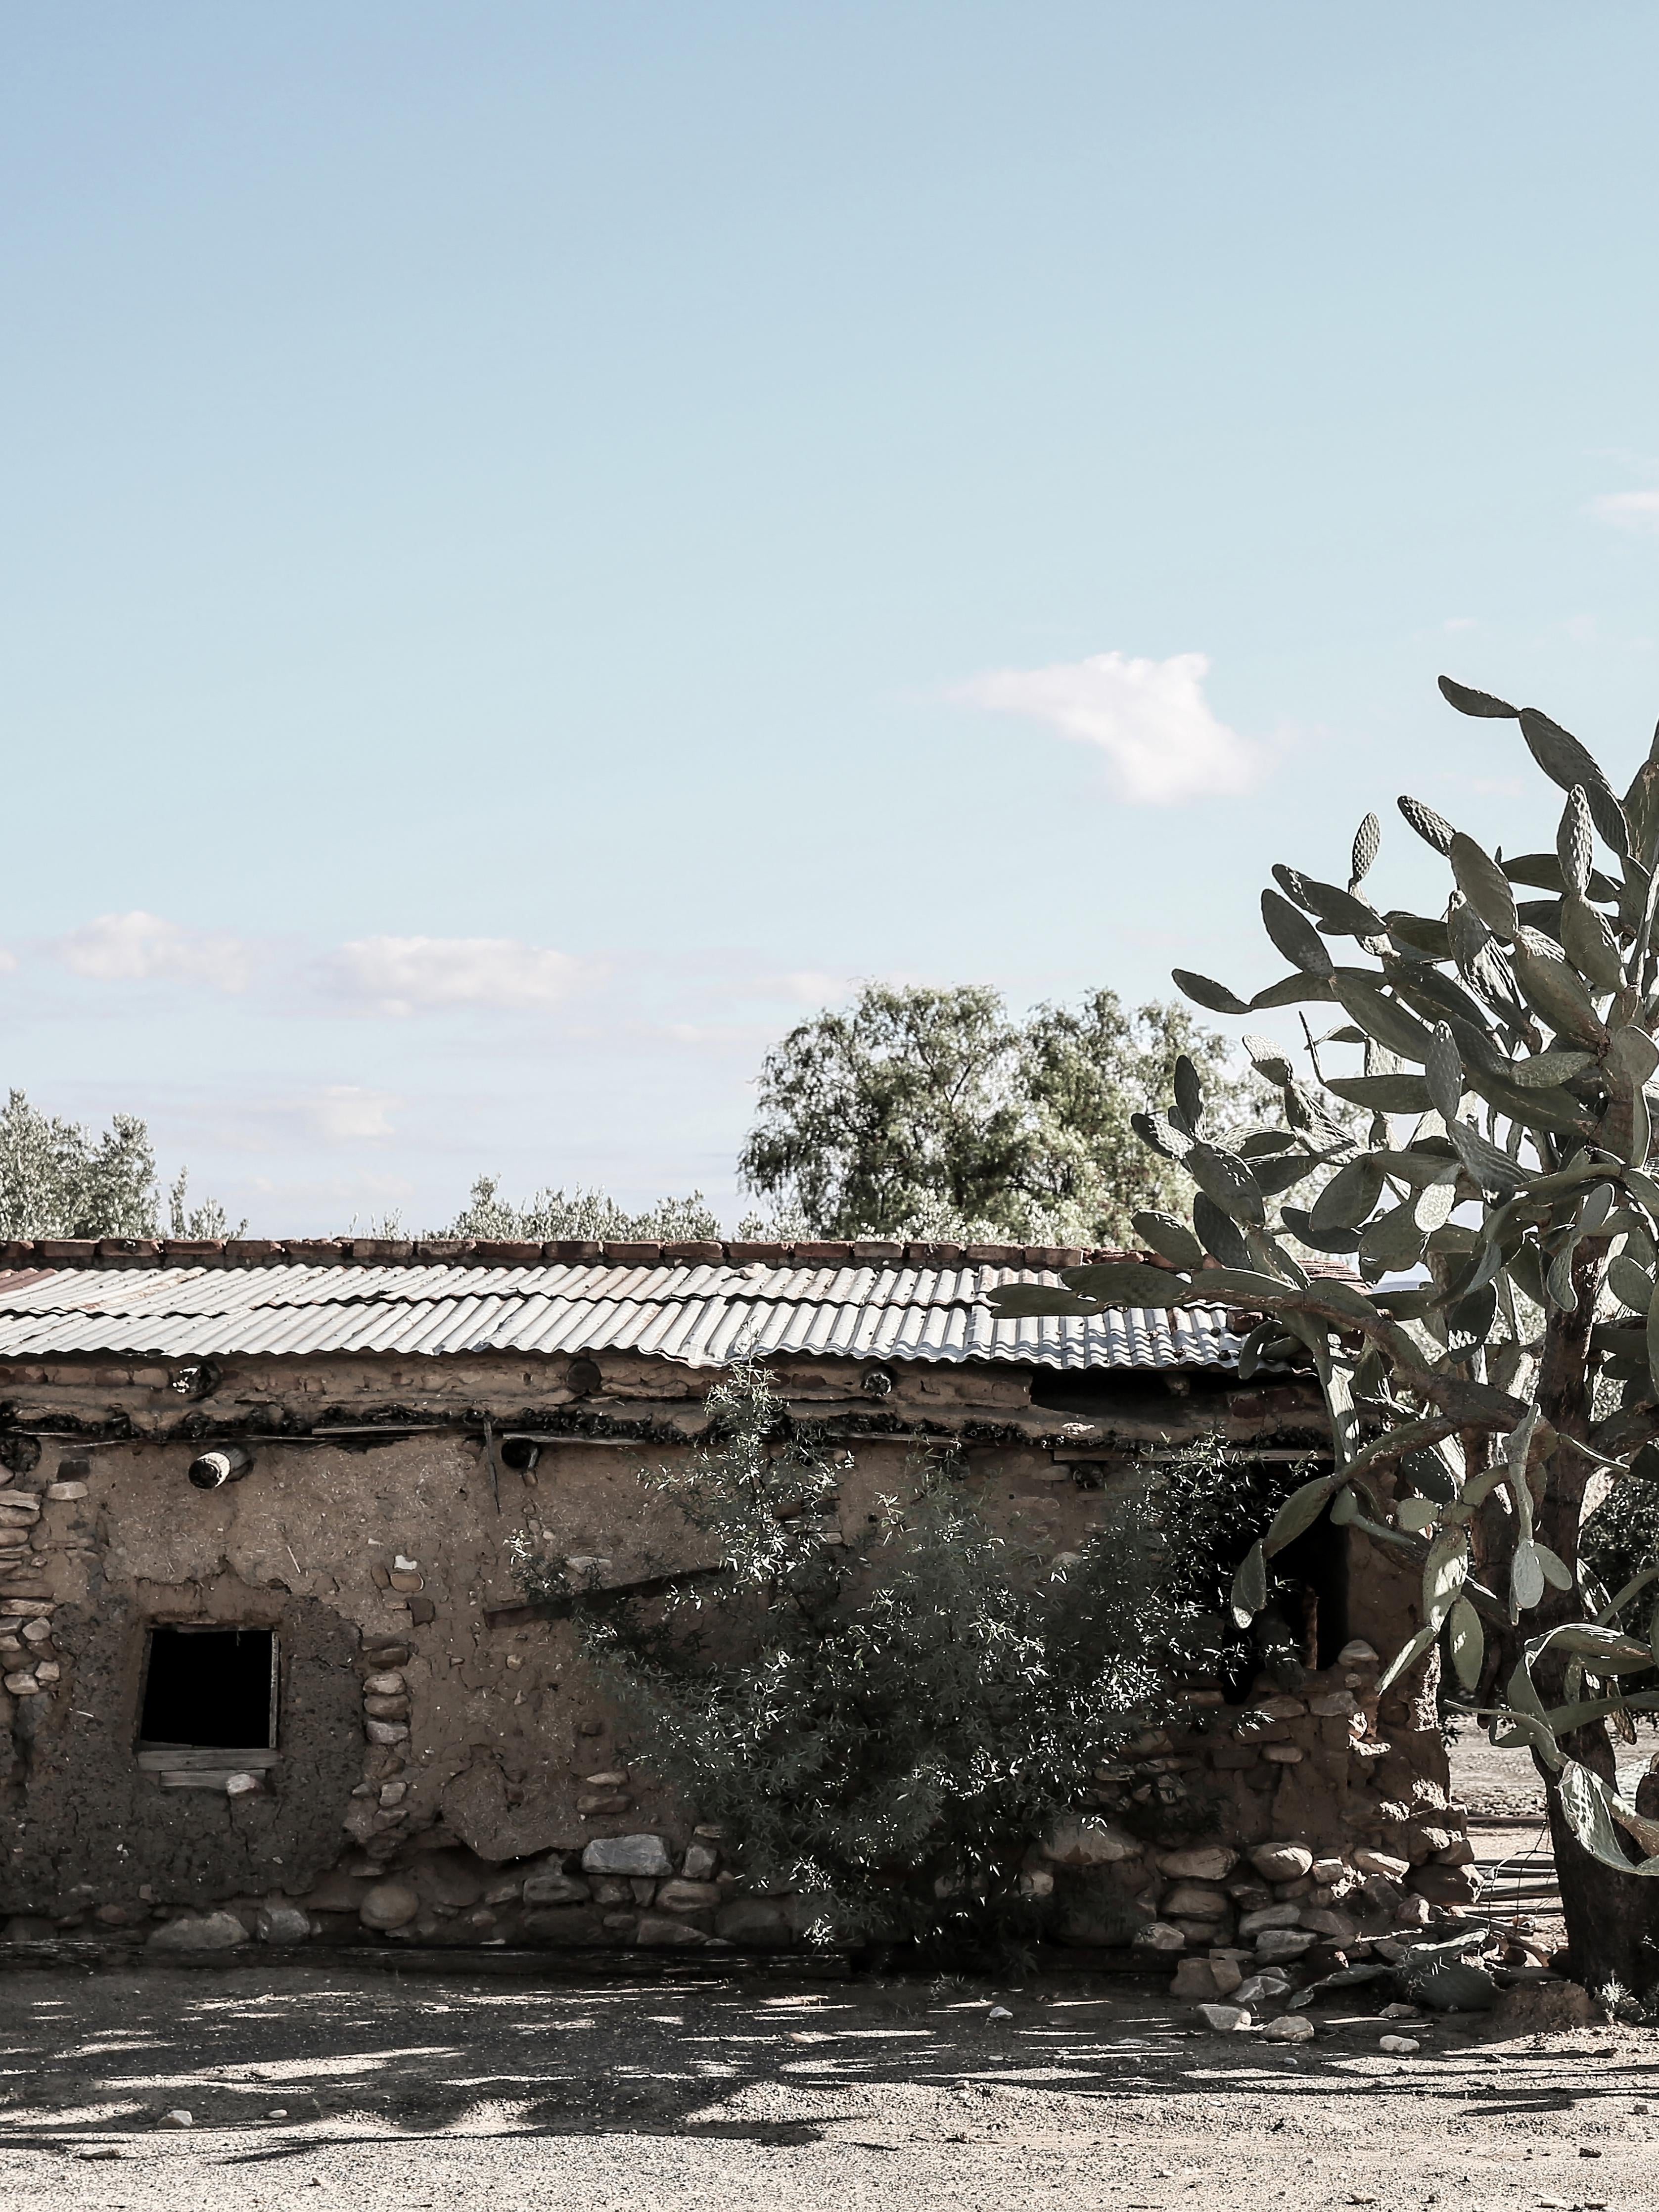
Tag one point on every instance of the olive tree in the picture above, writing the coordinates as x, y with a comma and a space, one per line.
1507, 1044
922, 1112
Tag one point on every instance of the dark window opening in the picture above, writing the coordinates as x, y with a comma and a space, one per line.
1317, 1562
212, 1688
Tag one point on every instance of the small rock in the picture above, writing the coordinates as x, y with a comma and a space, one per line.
682, 1896
1357, 1653
59, 1492
243, 1784
1399, 2046
1382, 1862
702, 1859
1334, 1704
1159, 1936
1228, 1975
1213, 1863
1400, 2012
759, 1923
1274, 1944
550, 1888
386, 1732
384, 1686
658, 1932
644, 1856
1260, 1988
1281, 1862
1270, 1916
389, 1905
282, 1923
1188, 1901
1284, 1754
998, 2012
210, 1931
1223, 2019
1542, 2008
103, 2150
1323, 1922
1290, 2027
1280, 1708
1197, 1981
178, 2118
1445, 1884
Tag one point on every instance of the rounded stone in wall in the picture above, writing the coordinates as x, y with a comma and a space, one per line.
389, 1905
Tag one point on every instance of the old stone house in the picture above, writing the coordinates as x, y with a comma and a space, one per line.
267, 1669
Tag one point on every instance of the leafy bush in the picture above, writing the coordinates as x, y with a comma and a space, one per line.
883, 1721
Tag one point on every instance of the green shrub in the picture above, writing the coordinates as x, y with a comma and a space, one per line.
883, 1723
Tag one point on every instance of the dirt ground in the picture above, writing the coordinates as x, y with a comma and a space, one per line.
437, 2086
440, 2090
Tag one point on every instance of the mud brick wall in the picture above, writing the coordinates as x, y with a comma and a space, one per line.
444, 1770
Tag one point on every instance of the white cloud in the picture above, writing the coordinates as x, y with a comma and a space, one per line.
1149, 718
816, 987
345, 1113
404, 974
139, 947
1628, 510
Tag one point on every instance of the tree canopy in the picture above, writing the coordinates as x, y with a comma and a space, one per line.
548, 1214
59, 1178
918, 1111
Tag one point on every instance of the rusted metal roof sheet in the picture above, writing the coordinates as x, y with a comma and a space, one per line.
700, 1314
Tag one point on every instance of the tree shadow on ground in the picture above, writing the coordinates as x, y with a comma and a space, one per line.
296, 2056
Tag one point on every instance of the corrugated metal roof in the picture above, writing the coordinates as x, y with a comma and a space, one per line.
700, 1314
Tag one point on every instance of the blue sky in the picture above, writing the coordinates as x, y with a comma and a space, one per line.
542, 541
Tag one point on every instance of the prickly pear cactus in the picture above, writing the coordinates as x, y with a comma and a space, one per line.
1505, 1046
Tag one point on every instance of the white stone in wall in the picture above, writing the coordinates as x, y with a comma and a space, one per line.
1281, 1862
643, 1855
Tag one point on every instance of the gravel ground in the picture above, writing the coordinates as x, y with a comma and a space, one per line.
440, 2090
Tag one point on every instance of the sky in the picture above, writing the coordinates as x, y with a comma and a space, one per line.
543, 544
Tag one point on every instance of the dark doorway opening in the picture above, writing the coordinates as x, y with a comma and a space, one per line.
212, 1688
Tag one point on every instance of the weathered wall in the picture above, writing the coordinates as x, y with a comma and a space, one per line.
445, 1770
